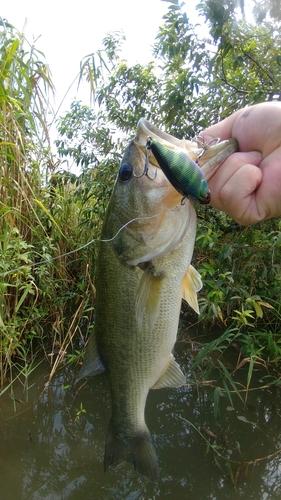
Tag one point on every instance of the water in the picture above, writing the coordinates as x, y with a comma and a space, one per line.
52, 446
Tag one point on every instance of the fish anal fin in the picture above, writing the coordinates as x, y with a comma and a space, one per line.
148, 297
135, 448
172, 376
92, 365
191, 284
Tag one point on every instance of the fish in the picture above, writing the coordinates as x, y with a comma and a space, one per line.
183, 172
143, 272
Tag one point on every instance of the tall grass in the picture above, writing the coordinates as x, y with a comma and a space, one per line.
38, 219
46, 213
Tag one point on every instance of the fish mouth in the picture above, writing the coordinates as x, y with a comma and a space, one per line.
213, 156
209, 156
146, 129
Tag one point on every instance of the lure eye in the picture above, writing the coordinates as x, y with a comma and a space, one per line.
207, 197
125, 172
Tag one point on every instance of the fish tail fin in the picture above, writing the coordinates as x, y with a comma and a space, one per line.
136, 449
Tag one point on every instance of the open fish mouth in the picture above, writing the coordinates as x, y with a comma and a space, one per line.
188, 165
198, 150
145, 129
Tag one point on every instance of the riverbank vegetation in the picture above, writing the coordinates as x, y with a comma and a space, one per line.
50, 217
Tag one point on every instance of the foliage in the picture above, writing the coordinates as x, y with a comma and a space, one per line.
191, 75
236, 65
267, 8
193, 79
241, 279
196, 77
21, 101
247, 58
240, 271
38, 221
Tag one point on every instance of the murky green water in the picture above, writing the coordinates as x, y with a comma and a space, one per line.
52, 447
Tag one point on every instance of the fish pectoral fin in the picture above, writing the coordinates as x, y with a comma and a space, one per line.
148, 297
191, 284
92, 365
172, 377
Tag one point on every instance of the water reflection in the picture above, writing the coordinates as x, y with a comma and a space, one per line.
51, 449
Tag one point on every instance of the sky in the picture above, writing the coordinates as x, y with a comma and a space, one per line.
66, 31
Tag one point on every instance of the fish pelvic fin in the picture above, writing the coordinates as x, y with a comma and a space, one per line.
191, 284
172, 376
92, 365
134, 448
148, 297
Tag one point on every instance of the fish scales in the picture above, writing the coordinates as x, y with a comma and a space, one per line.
143, 272
137, 360
136, 357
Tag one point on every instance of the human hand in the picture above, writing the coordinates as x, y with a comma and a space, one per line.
247, 186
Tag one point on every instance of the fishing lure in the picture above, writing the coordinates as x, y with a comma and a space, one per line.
182, 172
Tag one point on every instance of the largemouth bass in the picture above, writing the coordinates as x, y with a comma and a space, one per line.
143, 273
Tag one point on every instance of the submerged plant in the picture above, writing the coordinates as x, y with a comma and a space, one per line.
234, 468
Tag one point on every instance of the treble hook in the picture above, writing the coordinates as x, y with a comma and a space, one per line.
205, 145
146, 164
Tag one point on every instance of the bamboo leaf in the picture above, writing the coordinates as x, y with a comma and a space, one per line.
41, 205
265, 304
27, 290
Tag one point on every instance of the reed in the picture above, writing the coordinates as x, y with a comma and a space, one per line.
38, 219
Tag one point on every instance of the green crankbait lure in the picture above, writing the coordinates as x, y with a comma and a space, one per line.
182, 172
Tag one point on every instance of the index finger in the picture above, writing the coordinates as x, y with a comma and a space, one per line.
256, 128
223, 129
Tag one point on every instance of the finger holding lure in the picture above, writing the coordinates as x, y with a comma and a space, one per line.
183, 173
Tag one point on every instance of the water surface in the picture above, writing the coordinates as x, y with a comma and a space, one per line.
52, 446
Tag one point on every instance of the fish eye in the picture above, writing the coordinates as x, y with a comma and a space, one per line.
125, 172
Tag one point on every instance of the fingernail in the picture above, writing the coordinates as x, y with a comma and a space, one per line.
255, 154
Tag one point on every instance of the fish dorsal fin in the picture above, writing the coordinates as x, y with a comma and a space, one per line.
172, 376
191, 284
148, 297
92, 365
